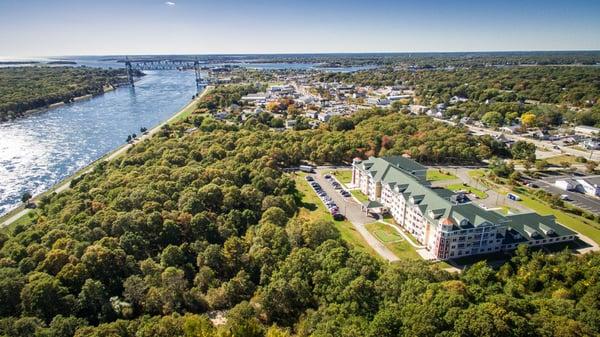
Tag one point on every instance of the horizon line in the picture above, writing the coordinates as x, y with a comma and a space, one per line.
317, 53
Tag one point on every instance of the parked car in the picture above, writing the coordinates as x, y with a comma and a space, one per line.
338, 217
327, 176
565, 197
309, 178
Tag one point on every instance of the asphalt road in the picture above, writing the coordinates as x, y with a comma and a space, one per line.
352, 211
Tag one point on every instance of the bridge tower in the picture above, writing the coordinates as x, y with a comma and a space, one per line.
198, 75
129, 71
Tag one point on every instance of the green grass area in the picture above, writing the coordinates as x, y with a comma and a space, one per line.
191, 107
558, 160
385, 233
313, 209
477, 173
359, 195
389, 237
437, 175
25, 220
462, 187
343, 176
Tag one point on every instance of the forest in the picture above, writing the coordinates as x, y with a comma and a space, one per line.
565, 93
27, 88
187, 223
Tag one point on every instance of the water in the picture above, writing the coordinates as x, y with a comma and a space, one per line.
44, 148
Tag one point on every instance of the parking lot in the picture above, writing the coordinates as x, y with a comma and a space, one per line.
327, 198
352, 210
580, 200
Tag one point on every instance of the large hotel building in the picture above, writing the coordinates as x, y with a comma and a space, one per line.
440, 219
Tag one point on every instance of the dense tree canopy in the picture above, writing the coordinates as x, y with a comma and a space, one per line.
26, 88
187, 223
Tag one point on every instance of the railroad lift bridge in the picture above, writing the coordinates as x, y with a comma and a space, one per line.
202, 77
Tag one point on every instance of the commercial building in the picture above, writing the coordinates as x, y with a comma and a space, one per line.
438, 220
587, 130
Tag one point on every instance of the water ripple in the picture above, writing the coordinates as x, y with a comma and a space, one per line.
44, 148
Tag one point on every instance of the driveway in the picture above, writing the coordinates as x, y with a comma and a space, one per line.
493, 200
352, 211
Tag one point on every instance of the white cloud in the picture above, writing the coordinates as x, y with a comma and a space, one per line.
170, 3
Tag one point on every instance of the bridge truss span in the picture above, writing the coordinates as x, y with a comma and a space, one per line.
140, 65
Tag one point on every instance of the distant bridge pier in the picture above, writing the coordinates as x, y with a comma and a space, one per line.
129, 72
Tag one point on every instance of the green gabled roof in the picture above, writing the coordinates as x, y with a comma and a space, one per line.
406, 164
395, 172
541, 224
475, 215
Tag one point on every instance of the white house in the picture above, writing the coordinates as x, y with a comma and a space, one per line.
290, 123
590, 187
378, 101
457, 99
324, 117
568, 185
591, 144
417, 109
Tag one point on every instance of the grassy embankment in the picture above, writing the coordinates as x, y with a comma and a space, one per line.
313, 209
343, 176
359, 195
438, 175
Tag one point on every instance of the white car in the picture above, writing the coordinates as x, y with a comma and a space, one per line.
565, 197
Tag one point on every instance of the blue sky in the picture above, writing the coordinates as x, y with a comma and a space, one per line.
86, 27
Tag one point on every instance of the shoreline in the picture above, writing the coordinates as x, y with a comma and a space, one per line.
106, 89
14, 214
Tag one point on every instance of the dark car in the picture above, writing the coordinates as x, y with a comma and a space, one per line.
338, 217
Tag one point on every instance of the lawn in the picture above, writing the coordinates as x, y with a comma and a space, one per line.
437, 175
188, 109
359, 195
313, 209
462, 187
343, 176
558, 160
393, 241
25, 220
477, 173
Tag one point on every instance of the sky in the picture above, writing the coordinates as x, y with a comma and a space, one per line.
30, 28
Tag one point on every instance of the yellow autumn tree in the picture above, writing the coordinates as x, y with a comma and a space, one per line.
528, 119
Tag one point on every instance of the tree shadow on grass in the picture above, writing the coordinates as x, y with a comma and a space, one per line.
309, 206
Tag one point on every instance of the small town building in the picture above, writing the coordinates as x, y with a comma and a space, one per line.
590, 186
587, 130
568, 185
